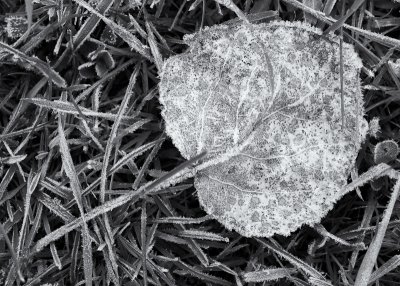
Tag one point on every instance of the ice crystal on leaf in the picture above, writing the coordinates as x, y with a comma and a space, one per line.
16, 26
264, 101
374, 127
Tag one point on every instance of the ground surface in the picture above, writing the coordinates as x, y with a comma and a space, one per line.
74, 143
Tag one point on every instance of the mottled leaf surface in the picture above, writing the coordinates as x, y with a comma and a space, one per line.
277, 154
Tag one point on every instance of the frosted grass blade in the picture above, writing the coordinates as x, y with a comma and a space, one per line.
43, 67
77, 191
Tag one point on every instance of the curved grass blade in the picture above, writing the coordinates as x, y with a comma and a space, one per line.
90, 24
102, 80
183, 220
106, 158
43, 67
368, 263
340, 22
201, 275
77, 191
13, 255
388, 266
204, 235
374, 172
392, 42
53, 248
143, 223
69, 108
308, 269
127, 36
29, 12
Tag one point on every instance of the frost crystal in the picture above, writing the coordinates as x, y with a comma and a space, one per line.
264, 101
16, 26
374, 127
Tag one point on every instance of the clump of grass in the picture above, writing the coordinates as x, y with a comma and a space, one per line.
92, 191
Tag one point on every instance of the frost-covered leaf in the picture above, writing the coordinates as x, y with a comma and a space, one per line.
264, 102
104, 62
87, 70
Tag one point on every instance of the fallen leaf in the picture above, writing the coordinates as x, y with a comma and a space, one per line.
264, 102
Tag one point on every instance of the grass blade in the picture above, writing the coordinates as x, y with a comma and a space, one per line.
130, 39
385, 40
201, 275
193, 245
77, 191
35, 227
340, 22
55, 207
29, 12
199, 234
104, 79
374, 172
114, 129
106, 158
328, 7
53, 248
232, 6
321, 230
266, 275
5, 181
43, 67
90, 24
368, 263
183, 220
69, 108
143, 223
31, 185
158, 60
13, 255
273, 246
387, 267
13, 159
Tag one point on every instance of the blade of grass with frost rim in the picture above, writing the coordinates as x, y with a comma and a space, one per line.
77, 191
368, 263
130, 39
43, 67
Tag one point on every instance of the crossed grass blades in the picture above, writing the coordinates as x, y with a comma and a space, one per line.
87, 194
